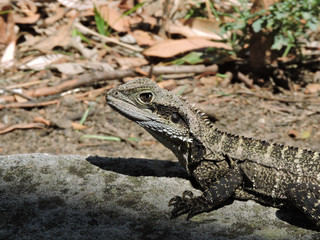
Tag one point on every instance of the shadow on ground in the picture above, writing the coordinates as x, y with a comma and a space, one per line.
160, 168
139, 166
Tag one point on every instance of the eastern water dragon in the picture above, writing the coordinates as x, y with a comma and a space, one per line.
225, 165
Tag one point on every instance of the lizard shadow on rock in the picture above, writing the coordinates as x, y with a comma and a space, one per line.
139, 166
162, 168
296, 218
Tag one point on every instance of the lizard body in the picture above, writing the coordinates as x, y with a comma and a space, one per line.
225, 165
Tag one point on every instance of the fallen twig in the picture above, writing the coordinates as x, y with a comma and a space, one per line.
28, 84
89, 78
85, 30
29, 104
93, 93
287, 100
17, 93
21, 126
245, 80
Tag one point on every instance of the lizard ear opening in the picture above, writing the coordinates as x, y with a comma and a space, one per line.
146, 97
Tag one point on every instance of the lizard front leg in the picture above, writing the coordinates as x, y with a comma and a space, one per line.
213, 196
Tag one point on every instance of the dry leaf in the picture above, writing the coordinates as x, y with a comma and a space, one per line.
196, 27
294, 134
3, 31
135, 20
141, 71
312, 88
148, 19
59, 13
78, 126
169, 84
79, 4
209, 81
127, 5
26, 20
129, 62
143, 38
170, 48
41, 62
61, 37
29, 9
20, 99
114, 18
69, 68
7, 36
7, 58
7, 24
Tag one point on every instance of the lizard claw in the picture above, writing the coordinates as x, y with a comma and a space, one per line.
187, 194
182, 205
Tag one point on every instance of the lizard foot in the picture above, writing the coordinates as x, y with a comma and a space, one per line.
187, 204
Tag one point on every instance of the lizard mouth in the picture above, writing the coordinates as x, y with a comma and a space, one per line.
128, 109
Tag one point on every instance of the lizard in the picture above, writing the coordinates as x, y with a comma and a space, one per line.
225, 165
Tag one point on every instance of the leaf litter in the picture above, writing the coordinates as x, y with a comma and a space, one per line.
58, 56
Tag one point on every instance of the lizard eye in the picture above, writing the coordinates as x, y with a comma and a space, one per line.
175, 117
146, 97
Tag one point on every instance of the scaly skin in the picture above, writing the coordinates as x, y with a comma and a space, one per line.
225, 165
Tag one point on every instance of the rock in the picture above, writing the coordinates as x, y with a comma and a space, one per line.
75, 197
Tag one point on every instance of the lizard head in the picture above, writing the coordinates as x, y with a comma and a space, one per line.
170, 119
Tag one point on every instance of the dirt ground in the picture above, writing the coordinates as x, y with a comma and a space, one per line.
292, 123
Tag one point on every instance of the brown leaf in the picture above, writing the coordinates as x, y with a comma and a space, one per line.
294, 133
141, 71
61, 37
26, 20
209, 81
59, 13
78, 126
7, 59
29, 9
196, 27
143, 38
21, 126
20, 99
40, 62
8, 37
170, 48
114, 18
169, 84
7, 32
148, 19
312, 88
3, 31
129, 62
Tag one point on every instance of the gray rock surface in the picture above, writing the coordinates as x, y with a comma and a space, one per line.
75, 197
